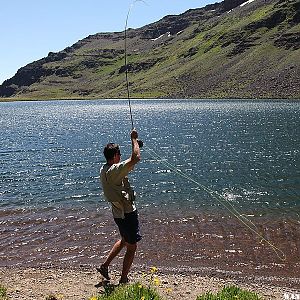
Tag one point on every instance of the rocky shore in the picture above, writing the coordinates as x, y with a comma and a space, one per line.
84, 282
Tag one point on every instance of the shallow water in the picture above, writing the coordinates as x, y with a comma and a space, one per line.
53, 212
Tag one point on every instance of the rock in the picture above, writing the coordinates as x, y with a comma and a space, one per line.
141, 66
230, 4
288, 41
191, 52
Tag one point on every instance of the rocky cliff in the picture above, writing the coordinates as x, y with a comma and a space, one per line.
232, 49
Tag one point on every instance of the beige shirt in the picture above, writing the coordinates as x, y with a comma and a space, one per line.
116, 188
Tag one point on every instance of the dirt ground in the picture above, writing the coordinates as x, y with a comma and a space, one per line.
83, 283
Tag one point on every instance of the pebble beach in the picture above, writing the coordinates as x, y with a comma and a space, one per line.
85, 282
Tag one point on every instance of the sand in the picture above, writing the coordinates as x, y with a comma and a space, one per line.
84, 282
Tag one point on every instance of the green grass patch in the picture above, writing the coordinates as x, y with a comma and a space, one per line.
230, 293
148, 94
128, 292
3, 293
236, 22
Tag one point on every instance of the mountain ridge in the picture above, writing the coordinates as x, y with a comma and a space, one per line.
232, 49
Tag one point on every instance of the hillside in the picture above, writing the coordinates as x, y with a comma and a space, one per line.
232, 49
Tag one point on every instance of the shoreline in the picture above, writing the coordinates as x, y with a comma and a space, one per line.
84, 282
5, 100
203, 244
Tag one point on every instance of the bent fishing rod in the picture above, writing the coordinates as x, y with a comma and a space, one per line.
140, 142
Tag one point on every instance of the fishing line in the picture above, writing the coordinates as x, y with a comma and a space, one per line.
125, 59
221, 199
214, 194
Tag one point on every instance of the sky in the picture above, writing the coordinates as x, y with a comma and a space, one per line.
30, 29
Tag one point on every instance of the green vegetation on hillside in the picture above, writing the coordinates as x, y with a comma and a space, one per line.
250, 51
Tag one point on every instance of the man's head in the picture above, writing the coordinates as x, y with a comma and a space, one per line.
112, 153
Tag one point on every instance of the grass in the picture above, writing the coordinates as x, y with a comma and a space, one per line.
148, 291
139, 292
3, 293
130, 292
230, 293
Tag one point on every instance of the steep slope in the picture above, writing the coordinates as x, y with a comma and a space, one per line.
232, 49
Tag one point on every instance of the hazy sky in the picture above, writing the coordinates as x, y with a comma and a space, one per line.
30, 29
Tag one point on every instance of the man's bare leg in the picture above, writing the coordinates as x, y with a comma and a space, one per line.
127, 262
118, 246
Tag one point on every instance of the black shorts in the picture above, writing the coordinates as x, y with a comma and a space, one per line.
129, 227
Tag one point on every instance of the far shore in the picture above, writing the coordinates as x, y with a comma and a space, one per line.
85, 282
141, 99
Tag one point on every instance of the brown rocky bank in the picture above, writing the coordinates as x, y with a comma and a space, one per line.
84, 282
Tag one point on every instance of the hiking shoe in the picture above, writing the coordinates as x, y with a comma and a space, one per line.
104, 272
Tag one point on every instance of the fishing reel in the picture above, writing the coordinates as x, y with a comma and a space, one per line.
141, 143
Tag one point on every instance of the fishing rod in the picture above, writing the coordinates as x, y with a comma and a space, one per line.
140, 142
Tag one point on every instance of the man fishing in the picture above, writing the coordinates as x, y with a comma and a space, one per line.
118, 192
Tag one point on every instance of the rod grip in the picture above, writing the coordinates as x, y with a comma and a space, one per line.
141, 143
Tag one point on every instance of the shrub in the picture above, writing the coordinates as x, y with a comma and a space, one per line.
230, 293
3, 293
129, 292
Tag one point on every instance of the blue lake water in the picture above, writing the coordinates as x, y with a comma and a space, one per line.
51, 201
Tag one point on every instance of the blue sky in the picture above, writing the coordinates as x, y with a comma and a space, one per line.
30, 29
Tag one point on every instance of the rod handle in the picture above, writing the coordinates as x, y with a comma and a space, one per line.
141, 143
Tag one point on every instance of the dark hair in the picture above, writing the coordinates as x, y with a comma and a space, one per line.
111, 150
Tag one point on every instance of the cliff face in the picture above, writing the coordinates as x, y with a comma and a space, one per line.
232, 49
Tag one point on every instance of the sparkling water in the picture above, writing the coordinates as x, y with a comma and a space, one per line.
203, 162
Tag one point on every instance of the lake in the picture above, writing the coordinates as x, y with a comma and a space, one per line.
218, 185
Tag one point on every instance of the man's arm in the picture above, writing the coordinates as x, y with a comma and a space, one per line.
136, 153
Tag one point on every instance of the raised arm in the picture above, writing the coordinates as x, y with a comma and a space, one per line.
136, 154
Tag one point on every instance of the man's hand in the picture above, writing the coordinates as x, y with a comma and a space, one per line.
135, 155
134, 134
